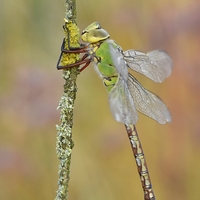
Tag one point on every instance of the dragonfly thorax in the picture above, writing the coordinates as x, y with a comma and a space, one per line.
100, 54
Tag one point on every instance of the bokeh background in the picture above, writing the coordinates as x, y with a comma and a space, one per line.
102, 162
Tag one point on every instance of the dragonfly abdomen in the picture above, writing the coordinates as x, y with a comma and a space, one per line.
140, 161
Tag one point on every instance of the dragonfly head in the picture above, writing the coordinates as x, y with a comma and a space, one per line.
94, 33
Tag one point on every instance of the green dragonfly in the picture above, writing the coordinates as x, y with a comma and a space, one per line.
126, 94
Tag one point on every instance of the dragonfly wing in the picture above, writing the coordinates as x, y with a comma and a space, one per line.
148, 103
118, 59
156, 65
121, 103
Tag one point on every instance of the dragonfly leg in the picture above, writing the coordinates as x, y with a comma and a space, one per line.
82, 49
86, 62
140, 161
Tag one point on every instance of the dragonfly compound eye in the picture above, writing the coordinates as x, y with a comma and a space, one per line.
95, 35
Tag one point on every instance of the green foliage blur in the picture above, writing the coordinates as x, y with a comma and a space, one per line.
102, 162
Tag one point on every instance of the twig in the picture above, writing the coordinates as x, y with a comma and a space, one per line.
64, 142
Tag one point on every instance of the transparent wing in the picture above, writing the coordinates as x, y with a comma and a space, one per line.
156, 65
147, 102
121, 103
118, 59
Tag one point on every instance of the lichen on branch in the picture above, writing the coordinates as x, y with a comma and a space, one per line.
64, 143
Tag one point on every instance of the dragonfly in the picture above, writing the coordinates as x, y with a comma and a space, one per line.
127, 96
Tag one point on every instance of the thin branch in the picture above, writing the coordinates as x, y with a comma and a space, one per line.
64, 143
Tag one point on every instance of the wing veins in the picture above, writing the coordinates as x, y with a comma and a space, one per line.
156, 65
148, 103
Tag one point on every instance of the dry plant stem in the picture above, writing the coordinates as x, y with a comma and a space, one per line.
64, 142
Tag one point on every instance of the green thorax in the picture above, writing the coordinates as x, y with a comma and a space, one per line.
99, 50
104, 63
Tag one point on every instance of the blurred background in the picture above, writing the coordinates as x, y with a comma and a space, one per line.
102, 162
